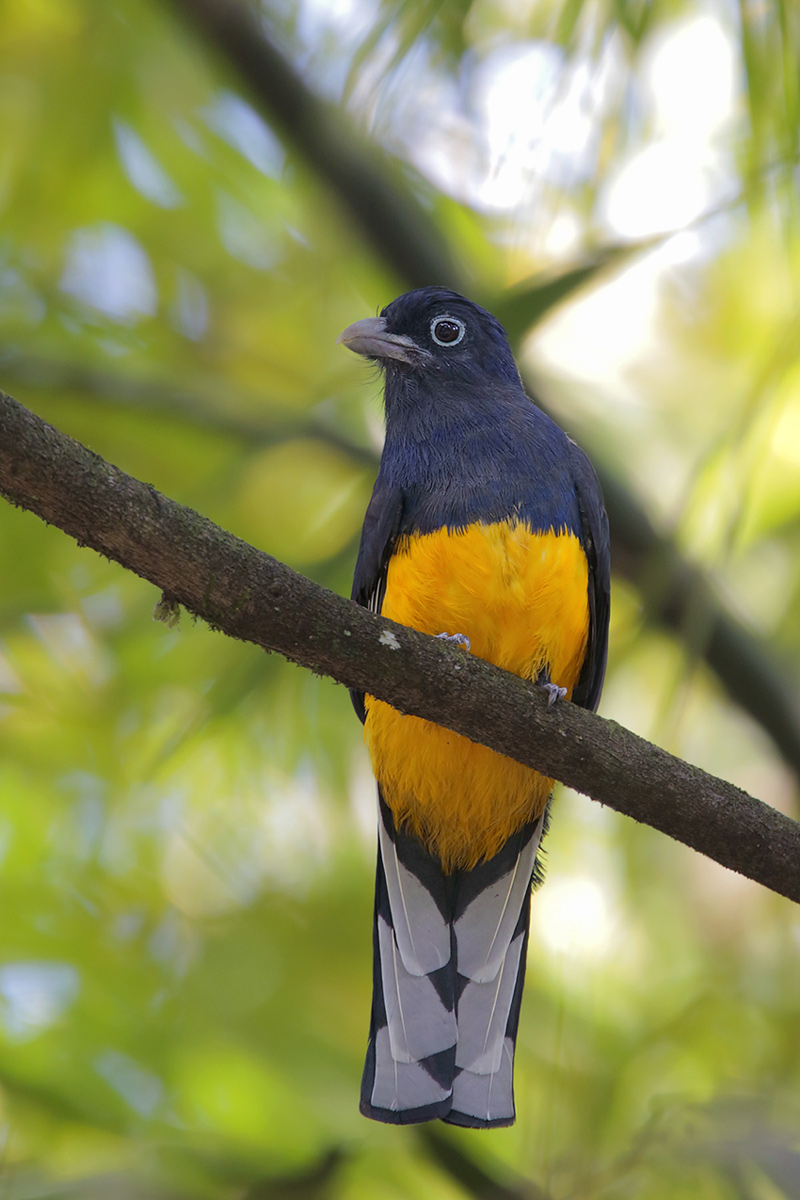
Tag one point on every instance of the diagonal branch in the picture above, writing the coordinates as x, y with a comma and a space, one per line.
673, 589
370, 184
402, 234
153, 396
447, 1153
248, 595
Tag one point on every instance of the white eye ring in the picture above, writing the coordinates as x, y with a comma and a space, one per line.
462, 329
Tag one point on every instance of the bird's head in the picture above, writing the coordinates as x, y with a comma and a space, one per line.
438, 333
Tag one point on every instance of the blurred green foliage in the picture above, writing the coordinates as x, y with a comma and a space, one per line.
186, 842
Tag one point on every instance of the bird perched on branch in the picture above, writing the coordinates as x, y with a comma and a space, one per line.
486, 526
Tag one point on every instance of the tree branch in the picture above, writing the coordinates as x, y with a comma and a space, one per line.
672, 589
370, 183
159, 397
682, 597
250, 596
467, 1171
403, 235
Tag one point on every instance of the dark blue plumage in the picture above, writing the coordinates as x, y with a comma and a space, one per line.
463, 440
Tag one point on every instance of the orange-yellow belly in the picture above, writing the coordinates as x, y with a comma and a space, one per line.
522, 600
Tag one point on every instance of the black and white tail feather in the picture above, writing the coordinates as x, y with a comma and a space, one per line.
449, 965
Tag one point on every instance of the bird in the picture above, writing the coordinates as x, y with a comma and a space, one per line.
486, 526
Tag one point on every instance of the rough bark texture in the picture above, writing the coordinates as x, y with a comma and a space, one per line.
248, 595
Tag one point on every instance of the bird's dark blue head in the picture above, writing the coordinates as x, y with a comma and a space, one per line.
463, 440
438, 334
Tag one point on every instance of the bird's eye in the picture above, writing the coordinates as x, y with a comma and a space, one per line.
447, 331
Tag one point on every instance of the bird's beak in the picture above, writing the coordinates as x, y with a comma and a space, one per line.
371, 338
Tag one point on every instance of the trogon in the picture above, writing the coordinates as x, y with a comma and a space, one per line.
486, 526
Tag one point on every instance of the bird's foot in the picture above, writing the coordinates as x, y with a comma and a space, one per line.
458, 639
554, 692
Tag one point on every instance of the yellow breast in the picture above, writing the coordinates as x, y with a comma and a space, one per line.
522, 600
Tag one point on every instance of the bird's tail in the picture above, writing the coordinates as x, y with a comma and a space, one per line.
449, 964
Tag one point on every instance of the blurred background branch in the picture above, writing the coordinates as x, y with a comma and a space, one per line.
369, 183
475, 1181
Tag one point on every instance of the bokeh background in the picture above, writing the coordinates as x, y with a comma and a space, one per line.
186, 824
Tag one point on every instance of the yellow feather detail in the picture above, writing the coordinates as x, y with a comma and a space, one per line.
522, 600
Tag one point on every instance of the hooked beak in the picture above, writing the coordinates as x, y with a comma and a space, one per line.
371, 338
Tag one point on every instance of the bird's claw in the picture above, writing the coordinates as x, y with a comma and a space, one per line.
554, 692
458, 639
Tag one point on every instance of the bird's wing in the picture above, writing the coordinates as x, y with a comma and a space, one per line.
381, 528
595, 538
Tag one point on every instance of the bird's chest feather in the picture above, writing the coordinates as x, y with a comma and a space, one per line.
521, 598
